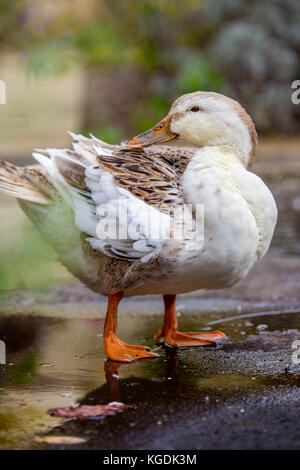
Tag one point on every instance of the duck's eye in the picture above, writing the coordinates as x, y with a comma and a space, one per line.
195, 109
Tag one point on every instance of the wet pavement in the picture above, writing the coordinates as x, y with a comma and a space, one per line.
243, 394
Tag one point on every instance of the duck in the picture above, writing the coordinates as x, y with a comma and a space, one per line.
93, 204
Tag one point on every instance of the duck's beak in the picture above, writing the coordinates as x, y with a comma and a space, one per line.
157, 135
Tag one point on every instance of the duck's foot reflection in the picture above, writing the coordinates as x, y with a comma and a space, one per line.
112, 377
112, 400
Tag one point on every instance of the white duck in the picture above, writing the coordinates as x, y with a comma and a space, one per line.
211, 147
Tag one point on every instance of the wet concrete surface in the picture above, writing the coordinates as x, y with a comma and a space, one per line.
243, 394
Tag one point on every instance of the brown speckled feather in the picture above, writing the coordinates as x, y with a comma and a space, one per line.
27, 183
152, 174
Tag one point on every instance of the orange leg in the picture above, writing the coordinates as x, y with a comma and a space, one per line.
114, 347
171, 336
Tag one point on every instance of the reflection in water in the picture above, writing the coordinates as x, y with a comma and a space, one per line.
59, 363
113, 379
164, 407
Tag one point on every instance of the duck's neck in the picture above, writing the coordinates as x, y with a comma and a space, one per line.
224, 156
209, 165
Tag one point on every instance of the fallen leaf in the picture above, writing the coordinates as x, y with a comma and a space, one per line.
89, 411
60, 439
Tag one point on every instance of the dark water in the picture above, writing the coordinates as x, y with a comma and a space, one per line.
57, 362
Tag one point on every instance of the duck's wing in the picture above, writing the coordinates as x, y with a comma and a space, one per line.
115, 192
153, 175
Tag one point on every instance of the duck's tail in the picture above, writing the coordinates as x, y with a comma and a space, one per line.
24, 183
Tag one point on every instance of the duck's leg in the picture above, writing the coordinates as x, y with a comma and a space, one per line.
171, 336
114, 347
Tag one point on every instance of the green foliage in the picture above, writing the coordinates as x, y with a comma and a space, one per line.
6, 3
160, 38
247, 49
196, 73
107, 133
52, 57
147, 112
100, 44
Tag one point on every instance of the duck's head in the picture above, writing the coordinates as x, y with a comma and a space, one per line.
204, 119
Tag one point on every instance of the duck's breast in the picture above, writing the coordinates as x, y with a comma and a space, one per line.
239, 220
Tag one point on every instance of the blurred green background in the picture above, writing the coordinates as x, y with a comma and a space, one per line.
113, 67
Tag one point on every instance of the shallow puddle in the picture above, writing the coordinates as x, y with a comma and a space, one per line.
60, 362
